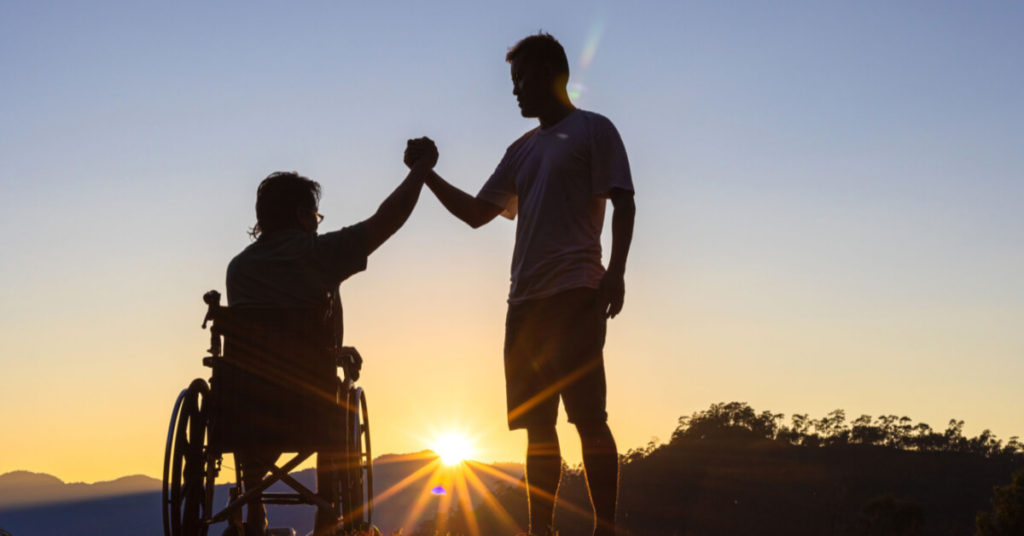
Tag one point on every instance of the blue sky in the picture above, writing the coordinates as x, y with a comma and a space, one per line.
828, 204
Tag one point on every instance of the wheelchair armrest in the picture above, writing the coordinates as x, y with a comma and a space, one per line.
350, 361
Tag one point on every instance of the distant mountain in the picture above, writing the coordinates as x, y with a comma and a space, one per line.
38, 504
20, 488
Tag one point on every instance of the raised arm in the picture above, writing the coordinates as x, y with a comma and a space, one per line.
613, 286
395, 210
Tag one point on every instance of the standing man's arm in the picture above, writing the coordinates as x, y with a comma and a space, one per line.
613, 285
472, 210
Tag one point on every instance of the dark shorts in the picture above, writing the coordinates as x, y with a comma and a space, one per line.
554, 347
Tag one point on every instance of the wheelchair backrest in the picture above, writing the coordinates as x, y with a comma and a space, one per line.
276, 383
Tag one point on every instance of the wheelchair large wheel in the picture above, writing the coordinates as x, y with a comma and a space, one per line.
357, 480
187, 497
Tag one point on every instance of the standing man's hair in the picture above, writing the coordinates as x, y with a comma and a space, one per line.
277, 199
541, 49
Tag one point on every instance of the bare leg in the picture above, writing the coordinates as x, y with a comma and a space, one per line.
601, 464
543, 472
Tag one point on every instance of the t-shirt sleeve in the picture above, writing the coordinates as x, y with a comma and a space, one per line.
608, 162
500, 189
343, 253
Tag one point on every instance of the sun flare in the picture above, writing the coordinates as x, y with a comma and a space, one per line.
453, 448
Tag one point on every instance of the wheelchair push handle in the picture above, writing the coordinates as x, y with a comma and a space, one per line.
212, 301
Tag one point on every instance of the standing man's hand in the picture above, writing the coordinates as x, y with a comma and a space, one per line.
612, 293
419, 149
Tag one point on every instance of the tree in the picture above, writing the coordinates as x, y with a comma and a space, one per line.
833, 428
1007, 515
728, 420
889, 516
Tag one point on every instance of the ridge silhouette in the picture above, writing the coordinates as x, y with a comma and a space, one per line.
730, 470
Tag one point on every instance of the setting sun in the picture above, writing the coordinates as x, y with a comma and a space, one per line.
453, 448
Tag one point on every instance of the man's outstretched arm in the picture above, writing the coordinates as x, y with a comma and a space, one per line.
613, 285
395, 210
472, 210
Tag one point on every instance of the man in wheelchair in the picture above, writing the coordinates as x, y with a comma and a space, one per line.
282, 292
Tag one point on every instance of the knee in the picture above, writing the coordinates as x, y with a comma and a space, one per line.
541, 434
542, 441
596, 430
596, 438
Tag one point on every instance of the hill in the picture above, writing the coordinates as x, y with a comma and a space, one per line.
21, 488
732, 471
42, 505
726, 471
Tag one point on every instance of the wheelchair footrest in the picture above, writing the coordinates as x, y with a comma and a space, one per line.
283, 498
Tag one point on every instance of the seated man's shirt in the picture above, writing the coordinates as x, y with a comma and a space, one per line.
278, 386
558, 179
292, 269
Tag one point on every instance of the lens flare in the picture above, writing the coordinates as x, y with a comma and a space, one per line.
590, 45
576, 90
438, 490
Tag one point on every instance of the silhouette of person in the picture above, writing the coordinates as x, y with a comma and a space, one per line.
556, 178
290, 266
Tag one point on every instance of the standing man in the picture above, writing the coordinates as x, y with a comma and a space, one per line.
556, 177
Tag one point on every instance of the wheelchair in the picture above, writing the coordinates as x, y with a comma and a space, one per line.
274, 385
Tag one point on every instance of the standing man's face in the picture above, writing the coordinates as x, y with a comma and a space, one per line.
532, 87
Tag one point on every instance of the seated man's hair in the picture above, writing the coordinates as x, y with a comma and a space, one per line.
277, 199
540, 49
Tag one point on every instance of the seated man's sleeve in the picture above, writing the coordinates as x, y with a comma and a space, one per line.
608, 162
343, 253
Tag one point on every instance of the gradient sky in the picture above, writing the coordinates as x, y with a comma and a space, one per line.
829, 207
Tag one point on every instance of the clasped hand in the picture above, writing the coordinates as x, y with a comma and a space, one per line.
421, 151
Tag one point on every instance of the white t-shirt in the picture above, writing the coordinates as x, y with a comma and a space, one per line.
558, 179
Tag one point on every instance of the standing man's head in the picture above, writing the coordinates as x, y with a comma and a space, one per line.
540, 73
286, 200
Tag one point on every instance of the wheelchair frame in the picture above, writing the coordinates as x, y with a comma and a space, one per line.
192, 464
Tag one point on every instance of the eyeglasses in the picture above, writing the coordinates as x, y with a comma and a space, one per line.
319, 217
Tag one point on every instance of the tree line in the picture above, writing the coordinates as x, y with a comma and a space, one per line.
738, 418
732, 470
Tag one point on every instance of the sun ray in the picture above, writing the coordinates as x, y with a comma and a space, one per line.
509, 525
466, 501
444, 505
407, 481
554, 388
424, 496
561, 503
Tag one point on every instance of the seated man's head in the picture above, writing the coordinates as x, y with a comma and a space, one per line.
286, 200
